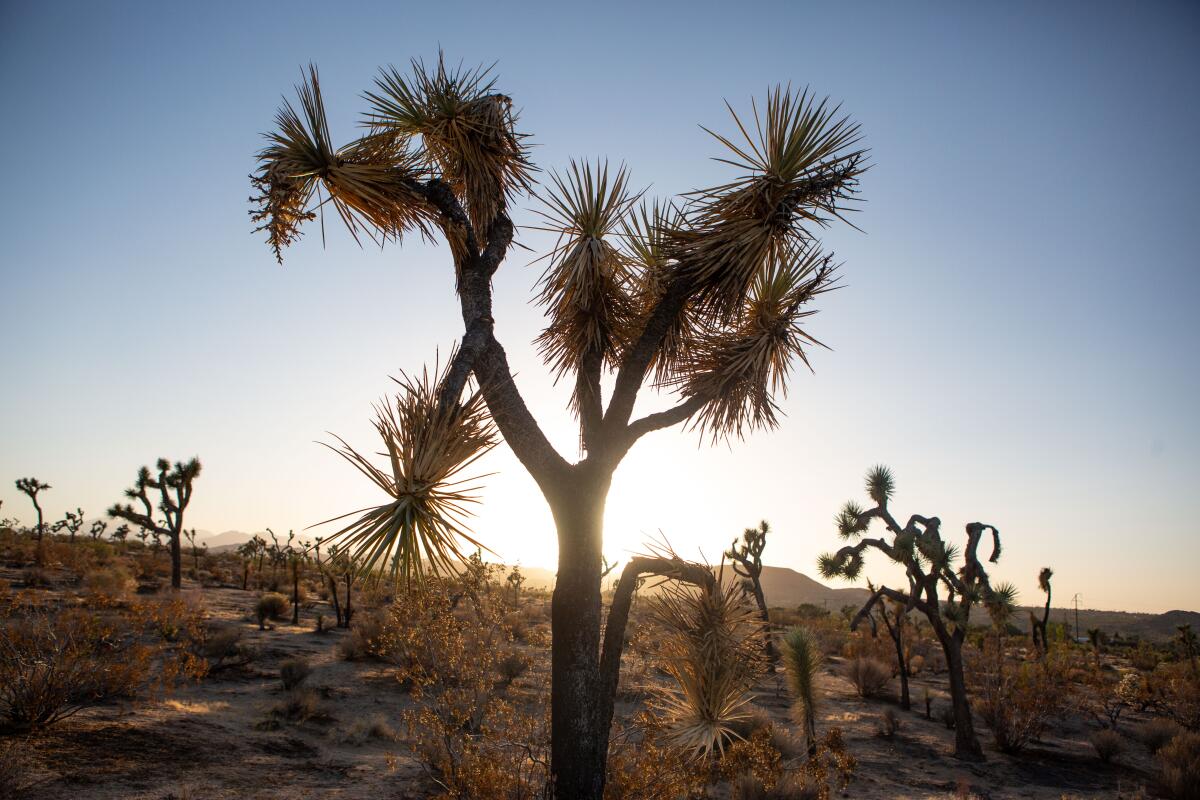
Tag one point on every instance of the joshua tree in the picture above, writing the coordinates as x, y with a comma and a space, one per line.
1038, 626
31, 487
745, 556
929, 566
802, 659
514, 582
704, 297
71, 522
895, 619
174, 487
120, 533
97, 530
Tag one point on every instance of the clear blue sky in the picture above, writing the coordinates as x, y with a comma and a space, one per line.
1017, 338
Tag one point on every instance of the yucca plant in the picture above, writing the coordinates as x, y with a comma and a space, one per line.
932, 566
710, 654
705, 296
428, 446
802, 659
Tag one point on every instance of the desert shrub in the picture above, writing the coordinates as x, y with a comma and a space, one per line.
366, 639
1179, 764
14, 769
1018, 704
1144, 657
888, 725
511, 667
1156, 733
916, 664
363, 730
300, 705
647, 768
270, 606
223, 647
828, 771
51, 666
36, 577
869, 676
946, 716
791, 786
1177, 694
1107, 743
112, 582
294, 672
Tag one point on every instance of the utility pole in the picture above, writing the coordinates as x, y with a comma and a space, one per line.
1076, 599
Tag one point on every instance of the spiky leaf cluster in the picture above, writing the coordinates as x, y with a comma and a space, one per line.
428, 444
467, 132
587, 288
799, 169
371, 182
711, 655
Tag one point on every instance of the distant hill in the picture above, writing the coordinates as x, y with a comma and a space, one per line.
1127, 623
227, 539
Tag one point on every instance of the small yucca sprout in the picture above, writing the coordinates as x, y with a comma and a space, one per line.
711, 653
428, 445
802, 658
586, 287
467, 132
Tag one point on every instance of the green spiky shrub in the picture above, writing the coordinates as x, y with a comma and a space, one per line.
802, 658
710, 652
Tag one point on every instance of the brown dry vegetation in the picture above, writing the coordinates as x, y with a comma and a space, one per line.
443, 691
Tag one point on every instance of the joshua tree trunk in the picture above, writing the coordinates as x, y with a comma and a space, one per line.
577, 756
896, 632
966, 743
296, 593
348, 610
176, 561
245, 575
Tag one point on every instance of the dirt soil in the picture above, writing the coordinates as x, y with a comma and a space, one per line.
215, 739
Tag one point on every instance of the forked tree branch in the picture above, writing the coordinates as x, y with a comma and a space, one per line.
479, 351
618, 619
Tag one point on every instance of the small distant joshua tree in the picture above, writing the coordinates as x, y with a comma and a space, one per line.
173, 488
97, 530
120, 533
1038, 626
71, 523
894, 616
928, 562
745, 556
705, 296
31, 487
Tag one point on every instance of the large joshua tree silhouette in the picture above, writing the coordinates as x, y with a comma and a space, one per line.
929, 564
173, 485
703, 297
